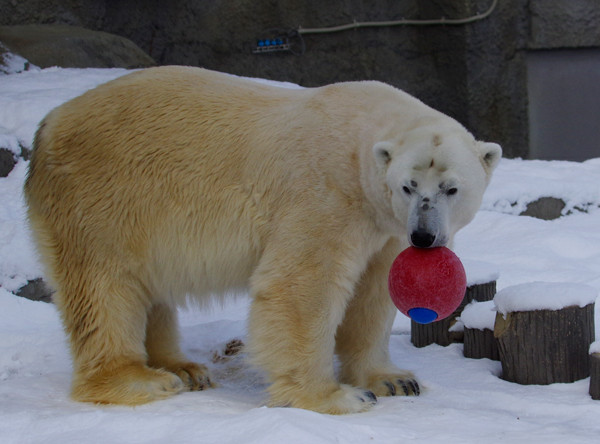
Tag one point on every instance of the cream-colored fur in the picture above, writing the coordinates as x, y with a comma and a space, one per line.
176, 180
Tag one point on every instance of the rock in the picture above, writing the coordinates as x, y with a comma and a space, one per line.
546, 208
7, 162
72, 47
36, 290
8, 159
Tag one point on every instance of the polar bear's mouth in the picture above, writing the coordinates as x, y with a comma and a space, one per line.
422, 239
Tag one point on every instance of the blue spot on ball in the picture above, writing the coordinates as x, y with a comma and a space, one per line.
422, 315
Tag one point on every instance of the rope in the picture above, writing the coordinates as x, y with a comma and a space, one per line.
402, 22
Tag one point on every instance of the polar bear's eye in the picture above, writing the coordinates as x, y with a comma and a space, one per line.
406, 190
451, 191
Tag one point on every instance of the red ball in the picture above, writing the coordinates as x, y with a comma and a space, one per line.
427, 284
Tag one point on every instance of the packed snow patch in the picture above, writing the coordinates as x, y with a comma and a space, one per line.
479, 272
544, 296
516, 183
479, 315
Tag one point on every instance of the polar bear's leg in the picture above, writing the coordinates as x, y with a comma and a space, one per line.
298, 302
162, 345
363, 337
105, 317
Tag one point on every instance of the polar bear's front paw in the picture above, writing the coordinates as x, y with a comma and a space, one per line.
342, 399
129, 384
402, 384
195, 377
354, 400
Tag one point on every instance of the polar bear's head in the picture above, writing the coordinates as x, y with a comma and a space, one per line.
433, 180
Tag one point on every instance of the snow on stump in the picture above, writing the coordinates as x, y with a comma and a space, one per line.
544, 331
478, 319
481, 286
595, 370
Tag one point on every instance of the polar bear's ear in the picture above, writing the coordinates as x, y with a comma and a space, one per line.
382, 151
490, 154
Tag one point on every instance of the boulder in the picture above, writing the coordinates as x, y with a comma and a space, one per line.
7, 162
546, 208
36, 290
72, 47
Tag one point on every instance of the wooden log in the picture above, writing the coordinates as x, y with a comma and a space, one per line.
595, 376
441, 332
480, 344
480, 292
478, 319
545, 346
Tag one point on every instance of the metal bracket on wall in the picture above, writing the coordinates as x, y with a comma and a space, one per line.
280, 40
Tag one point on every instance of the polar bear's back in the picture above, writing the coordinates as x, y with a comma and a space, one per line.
150, 171
173, 173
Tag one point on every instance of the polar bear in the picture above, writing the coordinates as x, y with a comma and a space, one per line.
176, 180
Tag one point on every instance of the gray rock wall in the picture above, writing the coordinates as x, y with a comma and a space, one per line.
72, 47
475, 72
564, 24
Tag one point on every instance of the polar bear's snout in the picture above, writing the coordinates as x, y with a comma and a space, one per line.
427, 223
422, 239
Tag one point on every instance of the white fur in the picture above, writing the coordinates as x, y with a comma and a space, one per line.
180, 180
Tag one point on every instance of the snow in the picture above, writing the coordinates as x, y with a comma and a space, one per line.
479, 272
11, 63
479, 315
464, 400
27, 97
595, 347
516, 183
18, 261
544, 296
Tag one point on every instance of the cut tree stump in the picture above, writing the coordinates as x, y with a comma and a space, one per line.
480, 344
441, 332
595, 375
545, 346
478, 319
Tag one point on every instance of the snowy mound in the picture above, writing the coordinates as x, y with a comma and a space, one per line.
13, 63
544, 296
479, 315
27, 97
516, 183
479, 272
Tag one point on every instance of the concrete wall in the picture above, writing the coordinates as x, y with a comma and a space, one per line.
564, 104
563, 67
476, 73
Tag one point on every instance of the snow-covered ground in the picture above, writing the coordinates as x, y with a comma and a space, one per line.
464, 400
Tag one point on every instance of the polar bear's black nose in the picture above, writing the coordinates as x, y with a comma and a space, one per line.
422, 239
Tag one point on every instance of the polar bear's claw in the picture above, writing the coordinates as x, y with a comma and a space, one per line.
391, 388
369, 397
409, 386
